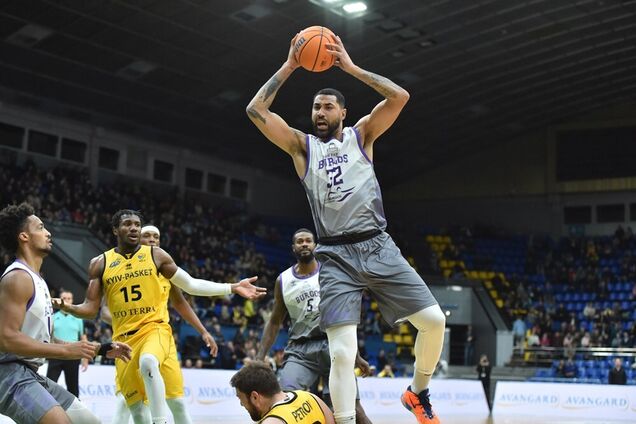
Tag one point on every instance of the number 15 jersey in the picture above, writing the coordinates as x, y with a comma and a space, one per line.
136, 293
341, 186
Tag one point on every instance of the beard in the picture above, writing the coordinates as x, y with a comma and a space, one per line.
254, 414
328, 132
304, 257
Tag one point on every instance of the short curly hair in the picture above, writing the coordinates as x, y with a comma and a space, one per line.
12, 221
116, 219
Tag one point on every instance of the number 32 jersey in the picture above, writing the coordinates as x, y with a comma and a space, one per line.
135, 292
301, 294
341, 186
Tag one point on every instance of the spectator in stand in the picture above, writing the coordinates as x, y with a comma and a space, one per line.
589, 311
387, 372
569, 369
585, 340
617, 375
533, 338
519, 331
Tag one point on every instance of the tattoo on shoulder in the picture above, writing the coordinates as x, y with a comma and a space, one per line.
255, 115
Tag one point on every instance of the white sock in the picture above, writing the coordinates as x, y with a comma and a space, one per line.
155, 388
343, 345
430, 323
179, 412
346, 418
139, 412
122, 413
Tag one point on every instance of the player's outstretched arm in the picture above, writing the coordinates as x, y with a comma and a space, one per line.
184, 309
198, 287
272, 327
386, 112
90, 307
272, 125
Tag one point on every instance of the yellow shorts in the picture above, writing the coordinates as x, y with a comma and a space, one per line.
156, 339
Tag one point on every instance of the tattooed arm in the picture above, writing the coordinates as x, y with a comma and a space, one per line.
272, 125
384, 113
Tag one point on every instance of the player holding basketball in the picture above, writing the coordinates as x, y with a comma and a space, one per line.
260, 394
336, 170
150, 236
129, 276
297, 293
26, 318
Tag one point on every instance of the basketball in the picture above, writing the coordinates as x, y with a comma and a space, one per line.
311, 50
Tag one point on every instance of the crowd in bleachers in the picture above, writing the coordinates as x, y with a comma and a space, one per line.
574, 292
211, 242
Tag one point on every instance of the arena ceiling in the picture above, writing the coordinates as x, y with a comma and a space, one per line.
479, 71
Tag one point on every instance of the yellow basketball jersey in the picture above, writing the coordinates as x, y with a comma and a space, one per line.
135, 292
300, 407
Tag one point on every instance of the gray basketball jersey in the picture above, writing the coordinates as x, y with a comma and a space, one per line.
301, 294
38, 317
341, 186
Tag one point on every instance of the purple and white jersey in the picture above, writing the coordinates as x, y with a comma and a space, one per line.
341, 186
301, 294
38, 317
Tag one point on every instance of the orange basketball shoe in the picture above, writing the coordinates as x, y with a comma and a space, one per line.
420, 406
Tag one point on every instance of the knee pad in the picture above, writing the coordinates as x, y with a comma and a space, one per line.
80, 414
148, 365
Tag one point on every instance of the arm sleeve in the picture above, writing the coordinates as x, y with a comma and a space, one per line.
199, 287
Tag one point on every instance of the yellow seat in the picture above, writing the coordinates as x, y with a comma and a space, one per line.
488, 284
494, 294
447, 273
429, 238
397, 338
404, 328
499, 303
407, 340
388, 338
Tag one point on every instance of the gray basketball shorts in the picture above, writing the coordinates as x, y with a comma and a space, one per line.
305, 362
375, 265
26, 396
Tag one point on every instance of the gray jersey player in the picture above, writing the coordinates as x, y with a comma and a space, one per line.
335, 165
26, 327
297, 293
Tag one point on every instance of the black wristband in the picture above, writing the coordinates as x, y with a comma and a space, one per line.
105, 348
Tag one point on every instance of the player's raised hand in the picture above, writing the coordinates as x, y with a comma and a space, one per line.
58, 303
119, 350
291, 56
343, 61
246, 289
210, 343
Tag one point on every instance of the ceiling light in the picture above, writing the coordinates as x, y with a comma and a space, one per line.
356, 7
